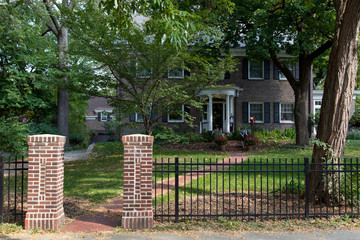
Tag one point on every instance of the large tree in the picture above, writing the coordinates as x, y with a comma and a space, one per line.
339, 87
301, 29
140, 58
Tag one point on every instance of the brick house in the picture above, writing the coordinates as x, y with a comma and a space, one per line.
255, 89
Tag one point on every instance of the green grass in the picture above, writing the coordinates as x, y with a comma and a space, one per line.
100, 176
254, 180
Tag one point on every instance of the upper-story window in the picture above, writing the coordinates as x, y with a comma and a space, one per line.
317, 106
256, 70
256, 110
176, 73
141, 70
177, 115
139, 117
104, 116
286, 112
291, 67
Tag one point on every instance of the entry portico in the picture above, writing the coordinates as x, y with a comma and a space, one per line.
219, 111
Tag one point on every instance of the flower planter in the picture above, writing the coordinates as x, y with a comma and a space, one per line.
222, 148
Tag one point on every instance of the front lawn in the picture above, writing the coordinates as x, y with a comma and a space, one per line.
100, 176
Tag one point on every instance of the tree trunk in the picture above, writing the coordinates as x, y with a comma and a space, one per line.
339, 87
301, 117
63, 95
301, 103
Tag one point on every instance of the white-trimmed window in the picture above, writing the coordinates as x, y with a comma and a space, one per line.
176, 73
291, 67
256, 110
140, 70
286, 112
317, 106
104, 116
139, 117
177, 115
256, 70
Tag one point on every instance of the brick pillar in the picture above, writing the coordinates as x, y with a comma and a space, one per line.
137, 213
45, 182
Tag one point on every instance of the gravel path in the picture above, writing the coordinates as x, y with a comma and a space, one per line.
78, 154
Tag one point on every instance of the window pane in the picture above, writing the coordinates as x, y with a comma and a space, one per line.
291, 68
287, 112
205, 108
139, 117
256, 110
104, 116
177, 114
256, 70
176, 73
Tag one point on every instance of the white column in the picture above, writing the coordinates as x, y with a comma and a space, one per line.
227, 120
232, 110
210, 114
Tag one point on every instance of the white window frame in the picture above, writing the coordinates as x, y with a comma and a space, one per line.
108, 112
263, 114
137, 71
178, 77
285, 121
182, 115
317, 106
293, 69
102, 116
137, 117
249, 72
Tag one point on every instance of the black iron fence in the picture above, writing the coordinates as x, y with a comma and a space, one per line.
13, 188
255, 189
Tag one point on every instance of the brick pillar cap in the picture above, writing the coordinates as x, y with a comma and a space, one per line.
137, 138
50, 138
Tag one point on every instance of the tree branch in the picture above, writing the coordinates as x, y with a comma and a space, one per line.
284, 69
47, 30
320, 50
52, 17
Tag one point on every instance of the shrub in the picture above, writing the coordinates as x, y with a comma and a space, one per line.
276, 135
13, 136
42, 128
207, 136
164, 134
114, 129
76, 139
354, 134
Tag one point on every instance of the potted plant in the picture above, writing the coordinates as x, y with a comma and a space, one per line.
221, 142
251, 142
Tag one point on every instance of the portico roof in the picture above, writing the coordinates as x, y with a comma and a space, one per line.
221, 90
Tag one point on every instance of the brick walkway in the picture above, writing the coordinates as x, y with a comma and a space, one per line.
107, 215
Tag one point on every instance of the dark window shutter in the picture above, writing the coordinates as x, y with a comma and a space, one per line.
276, 112
99, 116
227, 75
266, 69
276, 72
186, 73
187, 110
297, 71
245, 112
267, 112
245, 68
108, 116
132, 118
153, 115
164, 115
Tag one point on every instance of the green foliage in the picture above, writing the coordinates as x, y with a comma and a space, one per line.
353, 134
137, 60
238, 135
41, 128
115, 129
169, 135
208, 136
13, 136
266, 136
355, 119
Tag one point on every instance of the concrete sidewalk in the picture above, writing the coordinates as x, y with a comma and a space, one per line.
331, 235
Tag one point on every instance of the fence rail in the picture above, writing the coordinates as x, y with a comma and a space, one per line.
254, 189
13, 188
